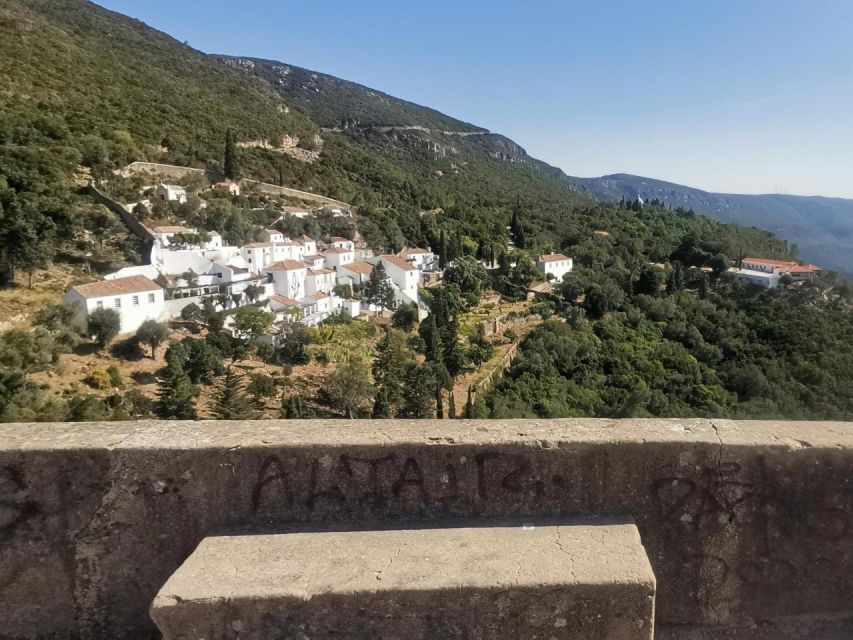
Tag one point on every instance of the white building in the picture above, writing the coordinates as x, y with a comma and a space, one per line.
288, 278
423, 259
760, 278
231, 188
337, 257
296, 212
405, 277
555, 264
342, 243
319, 280
272, 235
309, 243
354, 273
314, 261
170, 193
135, 299
768, 273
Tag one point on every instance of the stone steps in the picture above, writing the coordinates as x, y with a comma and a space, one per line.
572, 581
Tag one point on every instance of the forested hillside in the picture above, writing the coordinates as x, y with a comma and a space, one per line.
822, 228
652, 324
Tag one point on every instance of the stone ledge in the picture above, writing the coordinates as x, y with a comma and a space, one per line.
742, 520
577, 579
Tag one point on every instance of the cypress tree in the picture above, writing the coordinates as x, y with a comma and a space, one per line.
233, 403
232, 169
176, 394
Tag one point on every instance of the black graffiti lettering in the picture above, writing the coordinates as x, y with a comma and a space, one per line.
373, 496
411, 476
332, 493
272, 471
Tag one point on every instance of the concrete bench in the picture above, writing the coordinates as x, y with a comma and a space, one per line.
569, 582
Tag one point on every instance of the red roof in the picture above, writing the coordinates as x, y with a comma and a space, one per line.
786, 265
398, 262
337, 250
286, 265
319, 272
319, 295
359, 267
117, 287
553, 257
288, 302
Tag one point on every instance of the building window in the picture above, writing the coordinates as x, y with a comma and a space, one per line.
135, 301
100, 304
151, 297
118, 303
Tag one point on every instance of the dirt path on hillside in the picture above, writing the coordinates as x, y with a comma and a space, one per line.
493, 367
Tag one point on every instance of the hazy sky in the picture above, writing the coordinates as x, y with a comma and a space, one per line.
751, 96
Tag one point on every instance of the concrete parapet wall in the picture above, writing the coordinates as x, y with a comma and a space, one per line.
741, 520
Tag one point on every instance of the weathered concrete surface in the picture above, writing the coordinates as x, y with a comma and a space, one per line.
572, 582
741, 521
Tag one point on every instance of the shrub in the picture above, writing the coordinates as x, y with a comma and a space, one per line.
99, 379
103, 326
115, 377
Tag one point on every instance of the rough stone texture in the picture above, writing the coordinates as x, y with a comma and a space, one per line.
741, 521
569, 582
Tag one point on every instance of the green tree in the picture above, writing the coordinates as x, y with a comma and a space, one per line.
153, 334
418, 392
232, 403
176, 394
349, 388
103, 325
249, 323
392, 357
468, 274
378, 290
405, 317
231, 166
261, 386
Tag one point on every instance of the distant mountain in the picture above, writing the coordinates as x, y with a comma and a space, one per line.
821, 227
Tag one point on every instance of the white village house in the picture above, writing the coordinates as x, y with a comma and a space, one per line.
170, 193
555, 264
135, 299
767, 273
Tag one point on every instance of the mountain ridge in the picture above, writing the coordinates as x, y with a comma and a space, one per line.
820, 226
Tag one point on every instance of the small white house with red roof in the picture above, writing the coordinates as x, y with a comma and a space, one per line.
554, 264
135, 299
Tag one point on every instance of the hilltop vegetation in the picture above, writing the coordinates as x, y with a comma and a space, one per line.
821, 227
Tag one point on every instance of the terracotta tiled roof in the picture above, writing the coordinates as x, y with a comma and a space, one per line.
288, 302
398, 262
413, 251
305, 238
313, 257
337, 250
359, 267
785, 265
319, 295
552, 257
286, 265
319, 272
117, 287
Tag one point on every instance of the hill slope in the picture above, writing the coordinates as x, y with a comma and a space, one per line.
822, 227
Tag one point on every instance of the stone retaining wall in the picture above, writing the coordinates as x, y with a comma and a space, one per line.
742, 521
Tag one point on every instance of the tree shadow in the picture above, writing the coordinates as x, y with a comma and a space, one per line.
143, 377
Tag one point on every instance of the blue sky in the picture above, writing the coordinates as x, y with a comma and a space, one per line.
748, 96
